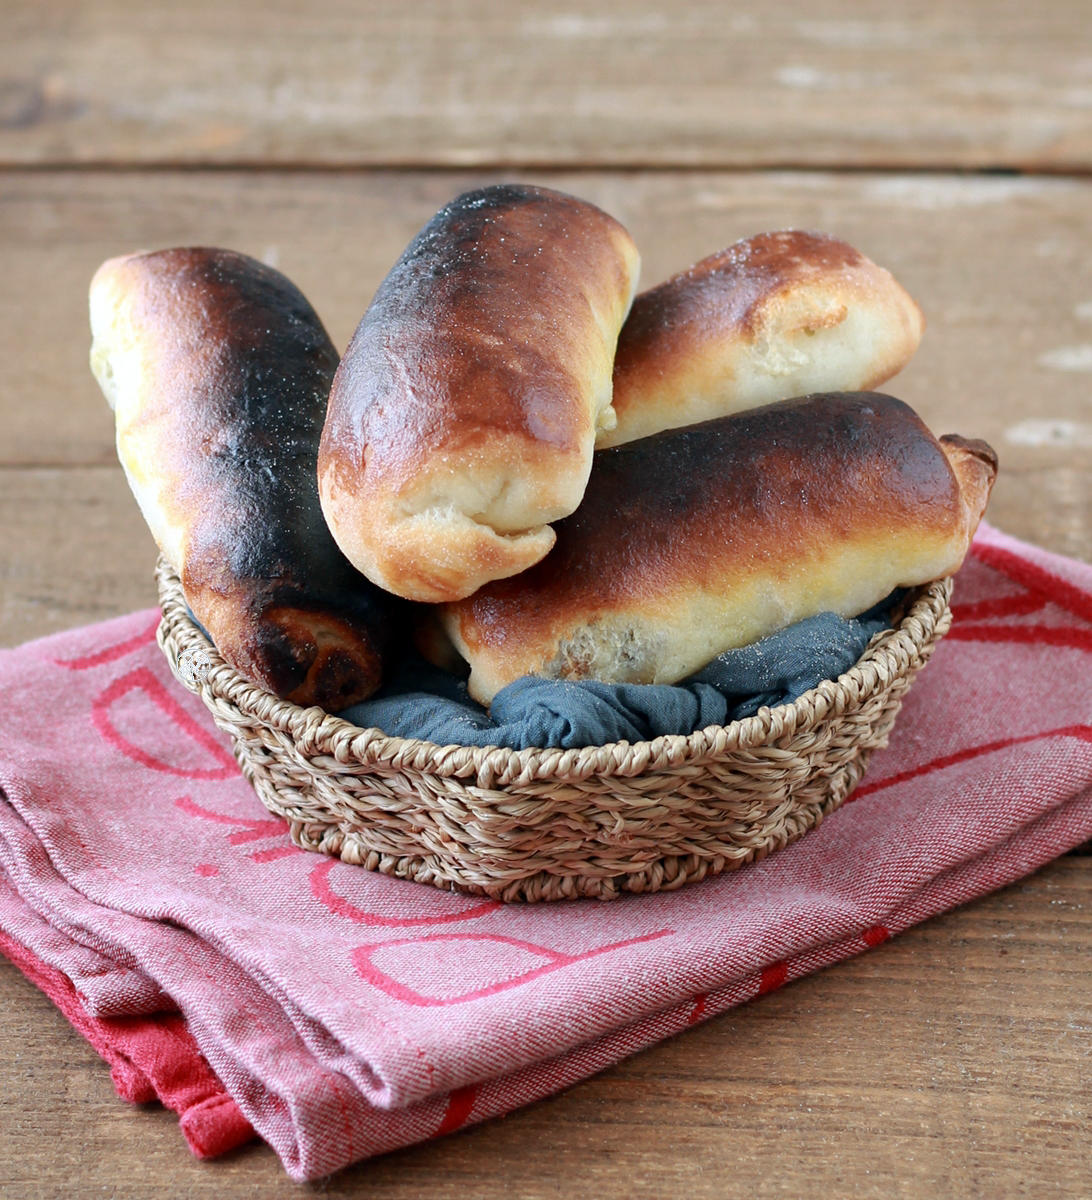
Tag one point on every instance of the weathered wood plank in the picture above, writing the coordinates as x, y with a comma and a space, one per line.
983, 83
953, 1061
73, 549
1002, 267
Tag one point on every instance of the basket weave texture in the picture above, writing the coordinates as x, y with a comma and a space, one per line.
558, 824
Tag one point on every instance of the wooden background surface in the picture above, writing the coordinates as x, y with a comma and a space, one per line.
938, 84
955, 1060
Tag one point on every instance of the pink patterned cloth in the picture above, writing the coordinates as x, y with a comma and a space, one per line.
150, 894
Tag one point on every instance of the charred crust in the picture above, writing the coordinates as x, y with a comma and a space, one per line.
730, 287
470, 320
338, 678
975, 447
822, 465
245, 367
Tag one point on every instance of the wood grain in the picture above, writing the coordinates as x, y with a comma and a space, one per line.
980, 83
954, 1061
73, 549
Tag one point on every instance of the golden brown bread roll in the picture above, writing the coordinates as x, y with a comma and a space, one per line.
698, 540
463, 416
774, 316
218, 371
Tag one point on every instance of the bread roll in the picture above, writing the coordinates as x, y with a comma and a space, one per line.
698, 540
218, 371
775, 316
463, 416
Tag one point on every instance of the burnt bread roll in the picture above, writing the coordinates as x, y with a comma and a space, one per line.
218, 370
698, 540
463, 417
775, 316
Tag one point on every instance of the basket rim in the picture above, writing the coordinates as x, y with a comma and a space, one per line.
318, 730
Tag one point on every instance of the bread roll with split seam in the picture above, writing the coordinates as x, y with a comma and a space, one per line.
463, 417
701, 539
218, 371
771, 317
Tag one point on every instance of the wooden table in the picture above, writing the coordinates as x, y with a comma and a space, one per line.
950, 142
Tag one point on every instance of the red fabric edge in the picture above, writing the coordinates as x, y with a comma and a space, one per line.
156, 1057
150, 1058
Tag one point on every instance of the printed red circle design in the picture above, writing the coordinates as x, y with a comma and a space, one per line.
324, 893
143, 681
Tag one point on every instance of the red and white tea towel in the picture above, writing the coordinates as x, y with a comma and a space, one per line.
340, 1014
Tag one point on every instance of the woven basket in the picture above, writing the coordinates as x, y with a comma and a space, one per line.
556, 824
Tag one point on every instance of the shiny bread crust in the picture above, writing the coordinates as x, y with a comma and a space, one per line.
218, 371
698, 540
771, 317
463, 417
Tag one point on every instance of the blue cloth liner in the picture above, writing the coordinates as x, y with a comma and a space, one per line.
425, 702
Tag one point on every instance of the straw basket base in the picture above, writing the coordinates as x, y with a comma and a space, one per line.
558, 824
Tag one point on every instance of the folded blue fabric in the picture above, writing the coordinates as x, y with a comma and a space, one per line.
425, 702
